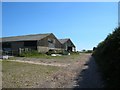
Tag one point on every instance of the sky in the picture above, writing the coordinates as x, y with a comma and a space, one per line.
85, 23
60, 0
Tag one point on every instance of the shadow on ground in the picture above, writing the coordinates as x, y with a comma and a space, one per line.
90, 76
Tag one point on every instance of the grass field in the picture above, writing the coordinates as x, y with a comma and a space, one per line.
16, 75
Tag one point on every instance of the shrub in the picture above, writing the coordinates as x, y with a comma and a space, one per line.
89, 51
86, 51
63, 52
75, 53
50, 52
30, 53
107, 55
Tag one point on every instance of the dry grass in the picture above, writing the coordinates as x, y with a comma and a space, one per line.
17, 75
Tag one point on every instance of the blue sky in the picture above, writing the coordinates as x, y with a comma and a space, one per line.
86, 23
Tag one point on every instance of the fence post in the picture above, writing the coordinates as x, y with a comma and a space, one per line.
19, 50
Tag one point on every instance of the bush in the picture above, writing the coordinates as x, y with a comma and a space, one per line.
107, 55
63, 52
86, 51
89, 51
50, 52
29, 53
75, 53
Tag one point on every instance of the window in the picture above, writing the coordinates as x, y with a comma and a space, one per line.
50, 40
6, 45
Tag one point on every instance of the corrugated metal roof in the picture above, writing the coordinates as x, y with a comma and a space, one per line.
25, 37
63, 40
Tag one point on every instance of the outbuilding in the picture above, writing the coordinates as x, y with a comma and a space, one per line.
40, 42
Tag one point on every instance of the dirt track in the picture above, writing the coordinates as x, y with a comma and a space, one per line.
81, 74
40, 63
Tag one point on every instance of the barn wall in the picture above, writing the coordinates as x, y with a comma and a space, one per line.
30, 44
44, 45
43, 42
68, 44
56, 43
18, 45
0, 48
15, 47
42, 49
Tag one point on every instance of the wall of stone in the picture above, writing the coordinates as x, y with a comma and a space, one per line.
42, 49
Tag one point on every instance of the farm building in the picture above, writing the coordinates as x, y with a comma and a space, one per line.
40, 42
67, 44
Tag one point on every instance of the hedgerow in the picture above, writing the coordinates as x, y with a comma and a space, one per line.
107, 55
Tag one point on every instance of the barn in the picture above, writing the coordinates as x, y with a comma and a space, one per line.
40, 42
67, 45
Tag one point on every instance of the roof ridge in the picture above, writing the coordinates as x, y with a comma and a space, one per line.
25, 37
28, 35
64, 38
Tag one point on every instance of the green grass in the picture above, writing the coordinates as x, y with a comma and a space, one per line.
52, 59
21, 75
35, 54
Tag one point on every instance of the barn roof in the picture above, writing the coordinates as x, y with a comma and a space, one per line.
63, 40
25, 37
